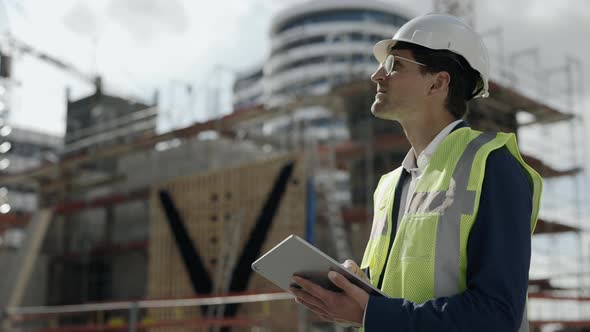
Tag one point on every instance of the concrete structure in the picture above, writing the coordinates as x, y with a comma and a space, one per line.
100, 120
21, 150
316, 45
102, 249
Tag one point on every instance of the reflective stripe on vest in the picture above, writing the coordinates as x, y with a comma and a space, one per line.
446, 262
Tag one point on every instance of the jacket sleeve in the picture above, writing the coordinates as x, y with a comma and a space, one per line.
498, 253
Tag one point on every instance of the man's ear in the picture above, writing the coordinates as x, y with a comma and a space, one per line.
440, 84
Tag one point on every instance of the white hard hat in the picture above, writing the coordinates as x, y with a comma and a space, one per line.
443, 32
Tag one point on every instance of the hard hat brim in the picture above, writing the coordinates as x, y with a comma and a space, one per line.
382, 48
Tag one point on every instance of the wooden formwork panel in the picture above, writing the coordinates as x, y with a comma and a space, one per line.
206, 203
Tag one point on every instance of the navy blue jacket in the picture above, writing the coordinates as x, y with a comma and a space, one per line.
498, 251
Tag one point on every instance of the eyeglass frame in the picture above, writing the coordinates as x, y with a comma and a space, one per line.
393, 56
388, 72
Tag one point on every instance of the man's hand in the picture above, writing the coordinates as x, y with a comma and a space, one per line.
347, 306
351, 266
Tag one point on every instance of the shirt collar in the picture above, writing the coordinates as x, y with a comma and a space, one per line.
411, 163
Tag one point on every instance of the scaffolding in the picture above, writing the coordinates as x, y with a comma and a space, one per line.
558, 141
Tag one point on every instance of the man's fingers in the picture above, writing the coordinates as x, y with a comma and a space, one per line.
312, 307
318, 291
351, 266
324, 317
309, 302
342, 283
349, 288
308, 298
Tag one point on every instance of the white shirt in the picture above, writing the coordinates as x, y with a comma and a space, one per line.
416, 165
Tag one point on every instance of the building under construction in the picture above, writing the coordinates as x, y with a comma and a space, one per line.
145, 231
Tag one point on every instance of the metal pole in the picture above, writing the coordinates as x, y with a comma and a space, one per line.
575, 178
133, 316
584, 159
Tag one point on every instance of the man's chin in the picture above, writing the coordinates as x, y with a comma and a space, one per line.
381, 112
377, 108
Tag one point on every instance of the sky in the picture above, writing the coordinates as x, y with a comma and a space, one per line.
140, 46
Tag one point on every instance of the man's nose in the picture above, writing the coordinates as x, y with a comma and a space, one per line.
379, 75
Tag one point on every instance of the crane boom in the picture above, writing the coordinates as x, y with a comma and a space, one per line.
67, 67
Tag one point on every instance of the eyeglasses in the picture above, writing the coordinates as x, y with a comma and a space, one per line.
389, 63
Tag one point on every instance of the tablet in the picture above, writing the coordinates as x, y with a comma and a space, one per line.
295, 256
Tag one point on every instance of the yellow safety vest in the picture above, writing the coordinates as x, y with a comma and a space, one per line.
428, 258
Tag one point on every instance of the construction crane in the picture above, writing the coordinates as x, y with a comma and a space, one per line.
8, 47
14, 44
463, 9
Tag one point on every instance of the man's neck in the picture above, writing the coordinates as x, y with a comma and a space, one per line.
420, 131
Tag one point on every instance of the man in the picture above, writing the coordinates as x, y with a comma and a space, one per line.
451, 235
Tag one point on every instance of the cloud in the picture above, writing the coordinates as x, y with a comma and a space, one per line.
148, 19
544, 12
82, 19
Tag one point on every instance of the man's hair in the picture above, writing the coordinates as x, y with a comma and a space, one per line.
463, 78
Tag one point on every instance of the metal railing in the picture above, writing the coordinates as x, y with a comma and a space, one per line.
15, 318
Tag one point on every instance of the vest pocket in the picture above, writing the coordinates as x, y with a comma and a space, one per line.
417, 257
417, 280
419, 240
